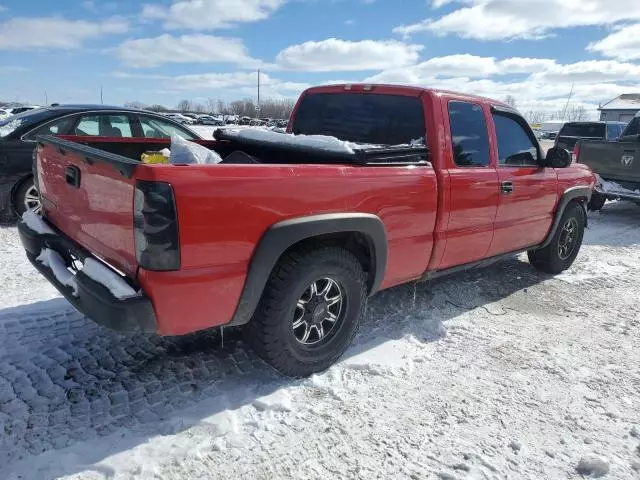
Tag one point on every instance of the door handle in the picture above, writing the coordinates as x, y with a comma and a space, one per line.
506, 187
72, 176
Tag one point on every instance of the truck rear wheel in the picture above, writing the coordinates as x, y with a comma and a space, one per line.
310, 311
560, 254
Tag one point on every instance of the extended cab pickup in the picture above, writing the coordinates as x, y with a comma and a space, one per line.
289, 238
617, 165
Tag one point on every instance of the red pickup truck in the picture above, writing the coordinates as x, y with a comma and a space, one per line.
289, 239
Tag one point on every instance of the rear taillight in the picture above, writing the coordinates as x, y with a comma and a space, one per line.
155, 224
576, 152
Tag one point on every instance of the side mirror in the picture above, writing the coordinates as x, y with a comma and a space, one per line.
557, 158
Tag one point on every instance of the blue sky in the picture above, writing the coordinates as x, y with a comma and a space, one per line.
164, 51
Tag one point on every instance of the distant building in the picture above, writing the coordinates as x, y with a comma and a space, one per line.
621, 109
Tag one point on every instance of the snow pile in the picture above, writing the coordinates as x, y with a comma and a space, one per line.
320, 142
279, 401
9, 127
35, 223
101, 274
54, 261
593, 466
613, 188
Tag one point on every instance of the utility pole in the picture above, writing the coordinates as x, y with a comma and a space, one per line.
46, 100
258, 106
564, 114
101, 101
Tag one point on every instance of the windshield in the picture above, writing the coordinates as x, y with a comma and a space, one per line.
12, 123
362, 118
595, 130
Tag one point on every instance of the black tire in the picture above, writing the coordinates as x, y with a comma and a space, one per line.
271, 331
555, 258
597, 202
20, 198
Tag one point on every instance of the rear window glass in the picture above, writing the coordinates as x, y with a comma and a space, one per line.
12, 123
595, 130
633, 128
362, 118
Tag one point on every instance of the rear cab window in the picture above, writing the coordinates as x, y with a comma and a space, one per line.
469, 134
365, 118
583, 130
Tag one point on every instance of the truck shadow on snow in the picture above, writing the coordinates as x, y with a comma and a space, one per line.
65, 381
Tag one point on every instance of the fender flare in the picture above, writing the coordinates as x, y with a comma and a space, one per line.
570, 195
283, 235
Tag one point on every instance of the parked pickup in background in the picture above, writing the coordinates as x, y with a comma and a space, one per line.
617, 165
288, 238
572, 132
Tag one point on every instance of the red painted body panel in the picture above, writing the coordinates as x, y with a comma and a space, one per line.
98, 215
240, 202
524, 216
435, 216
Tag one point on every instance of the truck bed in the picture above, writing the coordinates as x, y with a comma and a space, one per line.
617, 161
222, 213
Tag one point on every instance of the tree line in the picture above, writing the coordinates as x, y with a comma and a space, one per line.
575, 113
279, 108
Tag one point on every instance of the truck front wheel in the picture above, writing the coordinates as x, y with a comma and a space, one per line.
560, 254
310, 311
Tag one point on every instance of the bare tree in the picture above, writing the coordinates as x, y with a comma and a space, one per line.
198, 108
184, 106
222, 107
511, 101
577, 113
157, 108
138, 105
534, 116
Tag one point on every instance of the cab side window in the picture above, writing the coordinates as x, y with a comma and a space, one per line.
516, 147
469, 135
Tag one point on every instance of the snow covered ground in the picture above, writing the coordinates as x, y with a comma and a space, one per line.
503, 373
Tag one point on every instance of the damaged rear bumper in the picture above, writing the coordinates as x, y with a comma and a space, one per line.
90, 297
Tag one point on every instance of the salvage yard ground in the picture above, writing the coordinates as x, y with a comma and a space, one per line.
493, 374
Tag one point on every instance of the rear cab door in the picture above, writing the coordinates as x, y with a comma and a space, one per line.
473, 180
528, 192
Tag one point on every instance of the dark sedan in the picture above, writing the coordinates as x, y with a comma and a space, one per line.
18, 136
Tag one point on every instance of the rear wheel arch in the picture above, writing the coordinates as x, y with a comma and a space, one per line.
363, 235
575, 195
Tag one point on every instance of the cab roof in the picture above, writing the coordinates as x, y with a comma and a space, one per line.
401, 89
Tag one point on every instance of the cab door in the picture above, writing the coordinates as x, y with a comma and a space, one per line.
528, 192
473, 181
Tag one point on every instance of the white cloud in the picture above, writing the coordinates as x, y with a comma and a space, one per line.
210, 84
211, 14
623, 44
545, 88
55, 32
342, 55
465, 65
591, 71
151, 52
6, 70
508, 19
